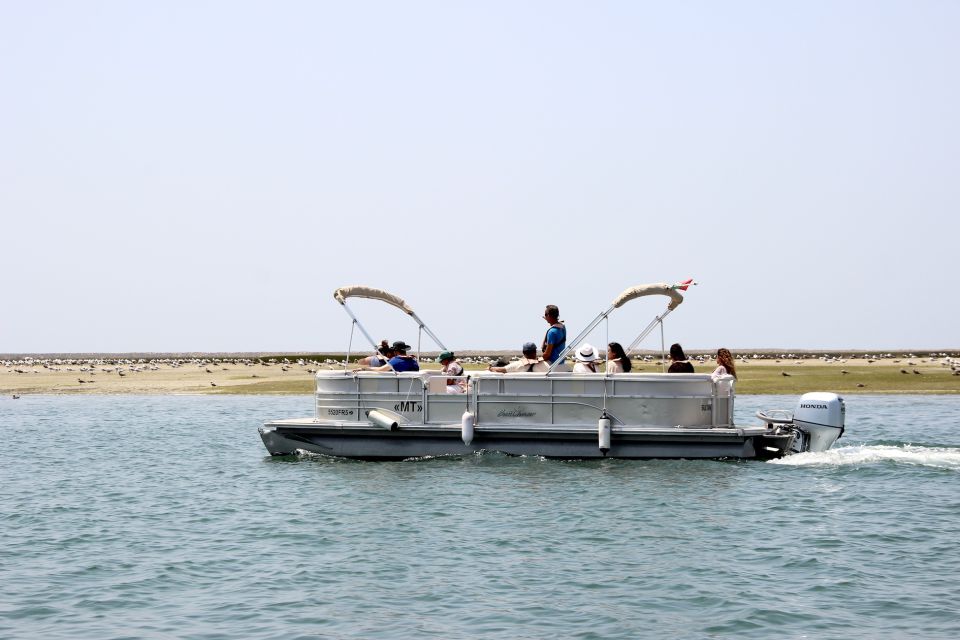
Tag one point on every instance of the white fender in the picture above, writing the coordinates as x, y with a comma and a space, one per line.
382, 420
603, 433
466, 427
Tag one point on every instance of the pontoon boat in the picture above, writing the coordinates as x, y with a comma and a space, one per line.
554, 414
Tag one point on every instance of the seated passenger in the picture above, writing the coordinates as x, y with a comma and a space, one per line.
725, 366
384, 353
400, 362
679, 361
586, 359
617, 360
529, 363
452, 368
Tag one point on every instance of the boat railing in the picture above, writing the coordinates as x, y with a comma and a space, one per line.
632, 399
557, 399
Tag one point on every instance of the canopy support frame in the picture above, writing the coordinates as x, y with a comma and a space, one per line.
341, 296
650, 327
630, 294
362, 330
583, 334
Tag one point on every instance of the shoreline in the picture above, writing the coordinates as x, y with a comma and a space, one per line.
759, 373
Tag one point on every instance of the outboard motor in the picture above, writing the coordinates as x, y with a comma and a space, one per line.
819, 417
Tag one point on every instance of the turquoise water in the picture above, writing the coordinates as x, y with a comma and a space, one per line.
163, 517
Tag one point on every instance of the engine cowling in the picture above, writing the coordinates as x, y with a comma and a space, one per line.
820, 415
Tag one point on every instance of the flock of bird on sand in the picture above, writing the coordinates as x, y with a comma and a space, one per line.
120, 366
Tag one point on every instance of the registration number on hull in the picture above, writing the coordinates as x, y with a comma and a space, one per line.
341, 413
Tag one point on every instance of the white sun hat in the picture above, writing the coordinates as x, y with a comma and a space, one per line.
586, 353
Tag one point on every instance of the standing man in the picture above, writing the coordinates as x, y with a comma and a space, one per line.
555, 341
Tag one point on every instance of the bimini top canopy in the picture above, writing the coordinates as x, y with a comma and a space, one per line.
649, 290
359, 291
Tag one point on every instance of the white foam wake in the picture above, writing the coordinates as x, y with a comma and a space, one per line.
939, 457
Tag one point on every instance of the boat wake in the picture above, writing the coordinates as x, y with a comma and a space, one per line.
907, 454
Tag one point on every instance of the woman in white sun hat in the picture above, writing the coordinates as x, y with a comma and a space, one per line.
586, 359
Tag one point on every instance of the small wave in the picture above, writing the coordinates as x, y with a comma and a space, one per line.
303, 454
439, 456
937, 457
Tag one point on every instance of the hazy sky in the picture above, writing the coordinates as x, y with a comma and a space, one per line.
202, 175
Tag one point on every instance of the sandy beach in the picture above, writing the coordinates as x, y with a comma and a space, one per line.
901, 373
160, 376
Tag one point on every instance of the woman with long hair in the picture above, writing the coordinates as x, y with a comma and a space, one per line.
384, 353
617, 360
678, 360
725, 364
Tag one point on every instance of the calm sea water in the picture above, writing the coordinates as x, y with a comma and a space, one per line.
163, 517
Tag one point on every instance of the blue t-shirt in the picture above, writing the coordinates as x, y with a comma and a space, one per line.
558, 338
401, 363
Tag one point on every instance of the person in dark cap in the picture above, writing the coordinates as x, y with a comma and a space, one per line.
529, 363
679, 363
452, 368
400, 362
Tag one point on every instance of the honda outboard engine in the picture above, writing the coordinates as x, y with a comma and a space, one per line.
819, 419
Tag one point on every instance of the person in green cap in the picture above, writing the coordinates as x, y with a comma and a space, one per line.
452, 368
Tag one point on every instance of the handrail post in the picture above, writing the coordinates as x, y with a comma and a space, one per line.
713, 403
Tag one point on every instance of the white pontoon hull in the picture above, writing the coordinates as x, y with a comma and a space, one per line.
552, 415
286, 437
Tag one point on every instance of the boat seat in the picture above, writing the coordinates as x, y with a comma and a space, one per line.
436, 384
